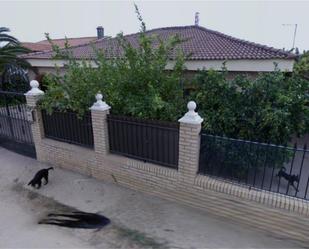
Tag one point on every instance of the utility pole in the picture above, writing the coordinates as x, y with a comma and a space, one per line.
295, 30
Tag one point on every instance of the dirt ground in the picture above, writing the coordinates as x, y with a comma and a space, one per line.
138, 220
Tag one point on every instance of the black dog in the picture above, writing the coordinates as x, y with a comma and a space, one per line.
37, 179
290, 178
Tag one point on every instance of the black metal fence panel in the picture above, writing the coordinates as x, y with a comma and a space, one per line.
146, 140
274, 168
68, 127
15, 128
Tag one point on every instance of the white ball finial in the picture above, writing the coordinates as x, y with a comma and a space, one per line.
99, 105
34, 88
191, 117
34, 84
99, 97
191, 106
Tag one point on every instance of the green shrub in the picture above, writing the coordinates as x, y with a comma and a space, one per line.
136, 84
270, 108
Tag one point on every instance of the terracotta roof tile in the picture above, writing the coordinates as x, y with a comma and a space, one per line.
72, 41
35, 47
200, 43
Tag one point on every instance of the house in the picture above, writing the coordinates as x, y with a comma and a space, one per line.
205, 48
45, 45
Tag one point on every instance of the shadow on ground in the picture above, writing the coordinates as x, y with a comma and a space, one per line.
116, 235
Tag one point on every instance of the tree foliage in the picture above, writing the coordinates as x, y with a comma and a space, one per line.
10, 49
270, 108
301, 68
135, 84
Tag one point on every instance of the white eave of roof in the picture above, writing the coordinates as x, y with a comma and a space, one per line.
266, 65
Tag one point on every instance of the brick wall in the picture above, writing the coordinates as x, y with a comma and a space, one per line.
183, 185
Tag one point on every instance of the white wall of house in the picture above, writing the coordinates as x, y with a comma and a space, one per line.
253, 66
43, 70
239, 65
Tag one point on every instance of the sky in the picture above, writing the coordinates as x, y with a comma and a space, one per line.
256, 21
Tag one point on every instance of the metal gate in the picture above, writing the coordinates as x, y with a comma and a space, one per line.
15, 129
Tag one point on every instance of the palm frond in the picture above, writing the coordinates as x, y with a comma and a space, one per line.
7, 38
11, 50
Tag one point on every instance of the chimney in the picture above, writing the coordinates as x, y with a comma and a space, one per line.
196, 19
100, 32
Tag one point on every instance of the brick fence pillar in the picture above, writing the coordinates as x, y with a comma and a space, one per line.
99, 112
35, 116
189, 144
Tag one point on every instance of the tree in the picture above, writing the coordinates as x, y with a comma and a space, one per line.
301, 67
135, 84
270, 108
12, 75
10, 49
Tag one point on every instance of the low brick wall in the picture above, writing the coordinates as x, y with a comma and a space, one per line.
183, 185
67, 156
154, 179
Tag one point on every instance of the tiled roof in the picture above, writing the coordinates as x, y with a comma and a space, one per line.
35, 47
72, 41
46, 46
200, 44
